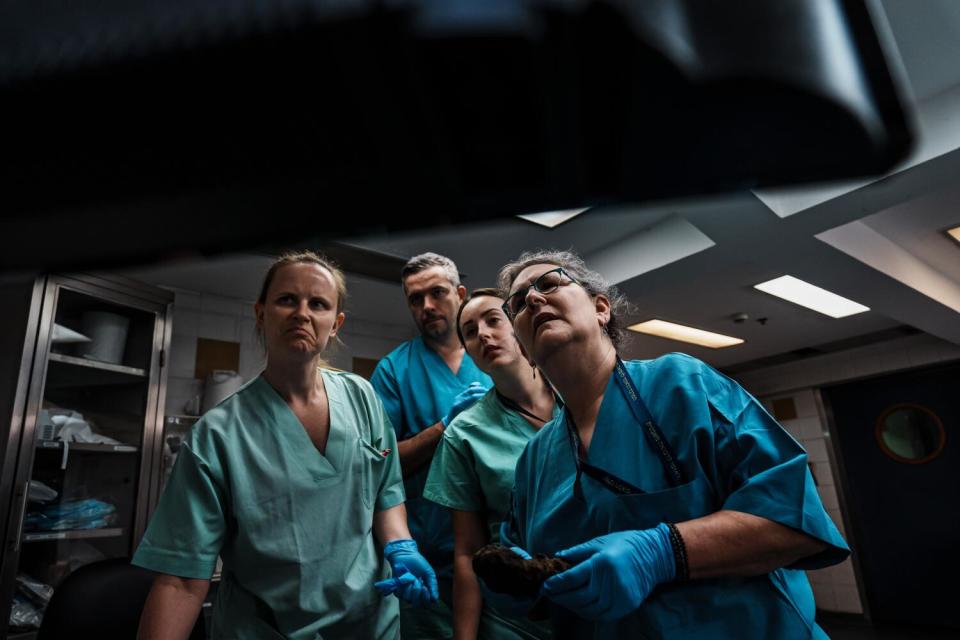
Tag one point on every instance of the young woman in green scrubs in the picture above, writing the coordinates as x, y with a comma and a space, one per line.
292, 481
472, 470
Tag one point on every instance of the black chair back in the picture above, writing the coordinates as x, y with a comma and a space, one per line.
102, 600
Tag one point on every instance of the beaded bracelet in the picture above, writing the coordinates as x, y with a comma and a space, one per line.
679, 553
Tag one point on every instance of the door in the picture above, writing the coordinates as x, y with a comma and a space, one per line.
898, 438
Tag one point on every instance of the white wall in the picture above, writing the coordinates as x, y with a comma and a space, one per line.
835, 588
204, 315
368, 339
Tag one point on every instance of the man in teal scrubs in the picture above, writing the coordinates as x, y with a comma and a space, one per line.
423, 384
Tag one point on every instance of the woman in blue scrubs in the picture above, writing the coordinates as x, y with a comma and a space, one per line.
472, 469
686, 510
292, 481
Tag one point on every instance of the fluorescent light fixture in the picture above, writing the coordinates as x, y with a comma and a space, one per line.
552, 218
810, 296
954, 233
683, 333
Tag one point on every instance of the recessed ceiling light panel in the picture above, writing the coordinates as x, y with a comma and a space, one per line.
551, 219
811, 296
954, 233
683, 333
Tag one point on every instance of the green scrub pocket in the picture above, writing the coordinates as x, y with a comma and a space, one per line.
370, 465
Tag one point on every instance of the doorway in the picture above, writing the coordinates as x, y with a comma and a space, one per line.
898, 437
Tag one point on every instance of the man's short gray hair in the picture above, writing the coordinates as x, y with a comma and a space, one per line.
594, 284
416, 264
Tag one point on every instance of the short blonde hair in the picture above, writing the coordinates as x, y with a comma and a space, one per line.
306, 257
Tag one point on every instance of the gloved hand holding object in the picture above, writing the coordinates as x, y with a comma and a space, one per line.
614, 573
413, 578
508, 604
463, 400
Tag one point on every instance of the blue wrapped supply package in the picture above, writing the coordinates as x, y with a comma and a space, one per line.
71, 514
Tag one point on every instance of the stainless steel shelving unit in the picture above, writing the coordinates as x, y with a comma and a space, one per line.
122, 401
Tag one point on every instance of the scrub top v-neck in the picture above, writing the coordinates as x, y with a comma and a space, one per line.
293, 526
473, 467
319, 465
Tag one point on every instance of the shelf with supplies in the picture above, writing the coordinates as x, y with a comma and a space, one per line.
86, 468
72, 371
92, 447
77, 534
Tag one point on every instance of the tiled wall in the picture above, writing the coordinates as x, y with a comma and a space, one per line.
367, 339
202, 315
835, 588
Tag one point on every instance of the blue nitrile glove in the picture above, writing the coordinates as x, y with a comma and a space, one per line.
505, 603
463, 400
406, 586
413, 578
613, 574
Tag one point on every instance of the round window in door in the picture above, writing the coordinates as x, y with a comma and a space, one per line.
910, 433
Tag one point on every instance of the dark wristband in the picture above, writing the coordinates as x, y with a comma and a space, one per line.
679, 553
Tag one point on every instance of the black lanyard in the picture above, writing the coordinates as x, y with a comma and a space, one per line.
652, 432
650, 429
515, 406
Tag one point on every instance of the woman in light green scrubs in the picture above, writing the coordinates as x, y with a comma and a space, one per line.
472, 470
290, 481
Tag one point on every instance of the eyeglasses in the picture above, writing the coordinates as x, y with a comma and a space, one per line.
547, 283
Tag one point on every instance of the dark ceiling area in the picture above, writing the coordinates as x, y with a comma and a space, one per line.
128, 123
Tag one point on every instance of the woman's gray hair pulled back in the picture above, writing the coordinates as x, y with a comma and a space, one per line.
594, 284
